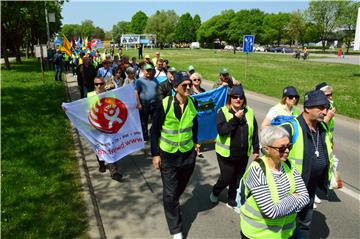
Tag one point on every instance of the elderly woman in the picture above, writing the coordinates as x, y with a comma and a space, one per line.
287, 107
274, 190
196, 79
237, 134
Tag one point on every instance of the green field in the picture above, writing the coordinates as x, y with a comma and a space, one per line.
270, 73
40, 186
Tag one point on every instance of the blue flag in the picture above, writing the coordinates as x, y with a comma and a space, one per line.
209, 103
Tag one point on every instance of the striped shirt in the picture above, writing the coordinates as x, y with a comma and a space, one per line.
288, 203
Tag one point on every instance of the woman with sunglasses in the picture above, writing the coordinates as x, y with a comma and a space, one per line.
196, 84
274, 190
287, 107
237, 134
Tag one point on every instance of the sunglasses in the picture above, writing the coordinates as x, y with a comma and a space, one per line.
292, 97
328, 95
234, 97
196, 79
99, 84
184, 86
282, 149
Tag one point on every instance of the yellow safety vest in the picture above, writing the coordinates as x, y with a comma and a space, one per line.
281, 110
296, 154
254, 224
177, 135
222, 145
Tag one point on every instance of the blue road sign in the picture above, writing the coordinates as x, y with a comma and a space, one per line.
248, 44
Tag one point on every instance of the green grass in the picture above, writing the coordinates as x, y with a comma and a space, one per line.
41, 191
269, 73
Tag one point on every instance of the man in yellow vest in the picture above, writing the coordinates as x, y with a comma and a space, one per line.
92, 98
311, 153
173, 147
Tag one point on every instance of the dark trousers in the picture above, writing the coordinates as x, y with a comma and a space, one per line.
146, 111
304, 217
58, 71
174, 181
231, 172
112, 167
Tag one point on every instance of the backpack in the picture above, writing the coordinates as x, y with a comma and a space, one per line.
240, 195
282, 119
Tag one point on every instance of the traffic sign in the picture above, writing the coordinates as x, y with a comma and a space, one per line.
248, 44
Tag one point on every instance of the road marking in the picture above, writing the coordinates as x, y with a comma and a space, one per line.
350, 192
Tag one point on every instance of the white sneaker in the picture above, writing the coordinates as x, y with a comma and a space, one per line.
178, 236
314, 206
317, 199
213, 198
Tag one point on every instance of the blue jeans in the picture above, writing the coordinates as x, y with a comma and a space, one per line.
58, 71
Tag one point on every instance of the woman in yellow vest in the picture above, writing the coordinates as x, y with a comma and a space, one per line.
237, 134
274, 190
287, 106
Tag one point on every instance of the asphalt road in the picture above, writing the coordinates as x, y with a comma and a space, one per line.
133, 208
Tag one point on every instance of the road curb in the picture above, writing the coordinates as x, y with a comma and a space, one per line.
96, 227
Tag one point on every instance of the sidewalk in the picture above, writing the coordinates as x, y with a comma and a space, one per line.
133, 208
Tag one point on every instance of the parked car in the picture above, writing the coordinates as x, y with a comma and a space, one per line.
260, 48
195, 45
287, 50
229, 47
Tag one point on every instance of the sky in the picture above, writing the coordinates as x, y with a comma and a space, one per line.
105, 14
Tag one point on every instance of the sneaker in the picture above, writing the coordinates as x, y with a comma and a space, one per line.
102, 168
213, 198
178, 236
231, 204
317, 199
200, 155
314, 206
117, 177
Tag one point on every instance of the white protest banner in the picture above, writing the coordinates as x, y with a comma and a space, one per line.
110, 122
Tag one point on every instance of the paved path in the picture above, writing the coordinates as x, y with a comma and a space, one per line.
133, 208
349, 59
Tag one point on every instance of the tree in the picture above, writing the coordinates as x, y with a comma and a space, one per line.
70, 30
23, 23
296, 27
275, 27
325, 15
245, 22
197, 23
119, 29
347, 20
162, 23
138, 23
184, 30
87, 28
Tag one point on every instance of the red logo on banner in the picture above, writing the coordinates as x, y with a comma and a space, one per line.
108, 115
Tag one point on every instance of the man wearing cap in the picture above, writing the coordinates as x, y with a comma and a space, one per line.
191, 70
225, 79
146, 89
166, 88
130, 77
311, 153
105, 71
148, 60
86, 74
156, 58
173, 142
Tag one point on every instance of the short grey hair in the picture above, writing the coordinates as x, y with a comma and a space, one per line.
271, 134
195, 75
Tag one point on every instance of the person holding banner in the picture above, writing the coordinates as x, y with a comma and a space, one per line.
225, 79
173, 143
237, 135
92, 99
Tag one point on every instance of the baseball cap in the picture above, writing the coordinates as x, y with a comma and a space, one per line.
180, 77
191, 68
290, 91
172, 69
148, 67
224, 71
147, 56
237, 90
321, 85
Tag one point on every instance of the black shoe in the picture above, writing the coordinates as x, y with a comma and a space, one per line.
231, 203
102, 168
118, 177
200, 155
